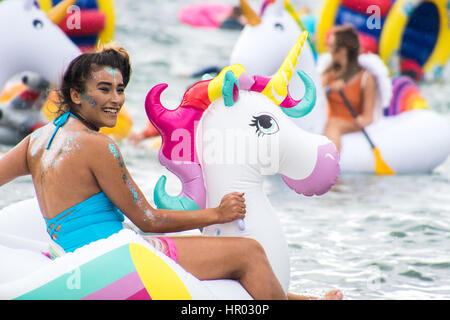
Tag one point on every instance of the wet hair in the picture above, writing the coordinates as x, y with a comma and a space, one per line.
80, 69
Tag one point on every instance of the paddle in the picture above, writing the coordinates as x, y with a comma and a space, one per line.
381, 167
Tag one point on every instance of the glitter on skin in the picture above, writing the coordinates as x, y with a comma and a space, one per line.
36, 143
113, 73
115, 152
68, 146
89, 99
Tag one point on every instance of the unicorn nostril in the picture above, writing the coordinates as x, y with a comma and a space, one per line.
324, 175
329, 155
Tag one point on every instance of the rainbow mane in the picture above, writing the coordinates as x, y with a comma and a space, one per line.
406, 96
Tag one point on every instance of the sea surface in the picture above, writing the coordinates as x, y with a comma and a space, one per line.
372, 237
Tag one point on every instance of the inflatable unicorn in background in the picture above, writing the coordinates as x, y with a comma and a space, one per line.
32, 42
263, 44
404, 128
231, 131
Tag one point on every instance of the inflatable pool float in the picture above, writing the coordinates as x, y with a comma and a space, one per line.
410, 36
229, 132
404, 130
397, 101
89, 24
36, 45
207, 15
263, 44
124, 266
20, 109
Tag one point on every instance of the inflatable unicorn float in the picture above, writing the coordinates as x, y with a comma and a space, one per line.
405, 129
36, 45
33, 44
198, 146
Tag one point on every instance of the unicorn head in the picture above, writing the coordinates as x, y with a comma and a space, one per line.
254, 106
264, 43
32, 42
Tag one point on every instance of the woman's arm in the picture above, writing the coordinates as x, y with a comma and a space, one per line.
369, 92
115, 181
14, 163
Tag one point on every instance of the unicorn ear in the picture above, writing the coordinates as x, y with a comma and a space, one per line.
230, 89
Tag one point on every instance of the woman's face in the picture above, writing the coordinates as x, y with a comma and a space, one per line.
103, 98
339, 59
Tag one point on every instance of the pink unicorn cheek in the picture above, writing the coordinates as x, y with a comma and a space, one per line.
324, 175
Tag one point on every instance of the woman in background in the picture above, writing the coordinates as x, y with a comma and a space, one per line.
344, 74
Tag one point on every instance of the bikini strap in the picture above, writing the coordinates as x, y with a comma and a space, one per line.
59, 122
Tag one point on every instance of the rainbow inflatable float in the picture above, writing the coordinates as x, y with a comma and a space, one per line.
405, 128
411, 36
122, 267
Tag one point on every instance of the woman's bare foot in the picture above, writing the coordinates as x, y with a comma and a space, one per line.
331, 295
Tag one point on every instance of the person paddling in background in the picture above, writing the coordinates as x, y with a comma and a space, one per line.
84, 188
345, 74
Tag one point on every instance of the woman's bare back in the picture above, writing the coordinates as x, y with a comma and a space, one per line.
61, 173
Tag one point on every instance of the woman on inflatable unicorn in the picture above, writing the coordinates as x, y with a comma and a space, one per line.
102, 190
344, 73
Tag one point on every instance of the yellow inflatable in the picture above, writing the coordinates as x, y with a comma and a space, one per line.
399, 19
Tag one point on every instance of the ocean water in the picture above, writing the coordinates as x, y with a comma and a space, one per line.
372, 237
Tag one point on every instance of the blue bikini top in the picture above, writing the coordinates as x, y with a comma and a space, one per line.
93, 219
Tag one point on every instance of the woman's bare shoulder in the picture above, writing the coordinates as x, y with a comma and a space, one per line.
99, 146
94, 141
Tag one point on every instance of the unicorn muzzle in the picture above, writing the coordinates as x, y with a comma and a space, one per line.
323, 176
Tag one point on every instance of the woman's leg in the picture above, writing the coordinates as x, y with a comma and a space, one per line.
240, 259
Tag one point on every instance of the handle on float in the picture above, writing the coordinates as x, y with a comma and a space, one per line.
381, 167
241, 224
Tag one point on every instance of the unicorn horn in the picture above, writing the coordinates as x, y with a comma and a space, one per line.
252, 17
58, 12
287, 69
277, 87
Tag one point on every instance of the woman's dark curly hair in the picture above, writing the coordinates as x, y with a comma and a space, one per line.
79, 71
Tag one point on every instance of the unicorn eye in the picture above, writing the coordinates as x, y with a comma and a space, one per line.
264, 124
38, 24
278, 26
